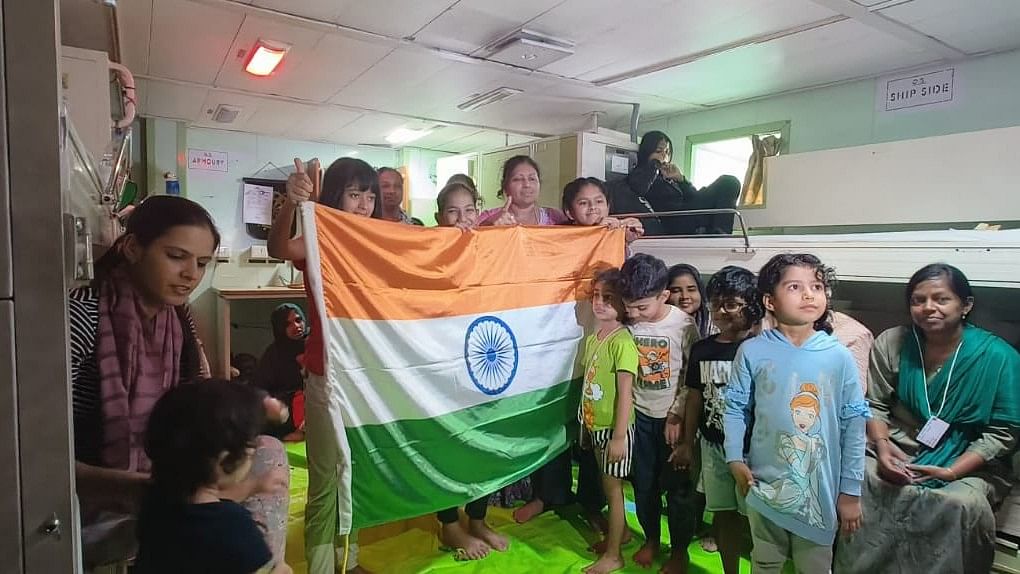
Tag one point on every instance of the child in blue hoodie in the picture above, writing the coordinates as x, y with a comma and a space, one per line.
803, 471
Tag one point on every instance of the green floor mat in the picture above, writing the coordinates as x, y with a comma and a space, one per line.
551, 543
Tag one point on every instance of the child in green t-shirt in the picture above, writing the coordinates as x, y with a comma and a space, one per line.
610, 363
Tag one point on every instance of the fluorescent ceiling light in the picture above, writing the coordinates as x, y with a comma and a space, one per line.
404, 135
265, 57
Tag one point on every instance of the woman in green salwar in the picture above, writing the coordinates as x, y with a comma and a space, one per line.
945, 400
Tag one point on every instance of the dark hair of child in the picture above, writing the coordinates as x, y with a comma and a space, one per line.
189, 428
643, 276
772, 273
732, 282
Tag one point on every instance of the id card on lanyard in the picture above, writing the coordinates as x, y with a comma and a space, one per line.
932, 432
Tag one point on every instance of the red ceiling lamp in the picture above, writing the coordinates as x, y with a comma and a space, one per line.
265, 57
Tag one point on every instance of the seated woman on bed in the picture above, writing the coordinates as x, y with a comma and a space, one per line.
656, 185
945, 396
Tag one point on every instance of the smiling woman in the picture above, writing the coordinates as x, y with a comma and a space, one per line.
946, 404
521, 186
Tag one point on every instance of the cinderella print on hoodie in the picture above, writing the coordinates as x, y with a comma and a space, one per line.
806, 414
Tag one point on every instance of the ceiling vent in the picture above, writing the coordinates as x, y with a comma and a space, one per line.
224, 114
478, 100
528, 49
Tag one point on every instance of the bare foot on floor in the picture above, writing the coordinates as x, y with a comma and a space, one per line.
675, 565
708, 544
465, 545
605, 565
480, 530
646, 555
530, 510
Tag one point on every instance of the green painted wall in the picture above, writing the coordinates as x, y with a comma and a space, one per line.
986, 95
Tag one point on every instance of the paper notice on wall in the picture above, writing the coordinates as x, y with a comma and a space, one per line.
258, 204
620, 164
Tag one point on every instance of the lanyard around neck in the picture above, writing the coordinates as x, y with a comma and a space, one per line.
949, 379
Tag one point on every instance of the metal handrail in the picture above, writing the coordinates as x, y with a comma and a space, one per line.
112, 189
690, 212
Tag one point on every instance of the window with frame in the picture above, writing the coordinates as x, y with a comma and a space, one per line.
731, 152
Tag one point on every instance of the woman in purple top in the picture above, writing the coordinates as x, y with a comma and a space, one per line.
521, 186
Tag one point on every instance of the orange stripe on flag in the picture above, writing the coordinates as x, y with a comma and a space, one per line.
380, 270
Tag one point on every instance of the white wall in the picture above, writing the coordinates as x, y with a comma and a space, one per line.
986, 95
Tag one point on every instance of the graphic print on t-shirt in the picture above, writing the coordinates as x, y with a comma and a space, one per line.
714, 376
653, 362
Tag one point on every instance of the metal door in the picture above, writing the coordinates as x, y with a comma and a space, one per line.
40, 382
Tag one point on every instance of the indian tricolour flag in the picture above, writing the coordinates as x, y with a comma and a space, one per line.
452, 354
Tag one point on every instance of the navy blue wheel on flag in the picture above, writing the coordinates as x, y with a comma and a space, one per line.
490, 350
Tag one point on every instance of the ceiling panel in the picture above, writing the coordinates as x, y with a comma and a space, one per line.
481, 141
317, 66
973, 26
370, 129
397, 18
321, 122
446, 135
135, 24
442, 91
685, 28
837, 52
191, 40
386, 83
543, 115
168, 100
278, 118
325, 10
582, 20
472, 24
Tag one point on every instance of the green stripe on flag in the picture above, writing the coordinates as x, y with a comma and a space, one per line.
409, 468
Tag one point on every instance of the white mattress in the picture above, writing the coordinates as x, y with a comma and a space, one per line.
989, 258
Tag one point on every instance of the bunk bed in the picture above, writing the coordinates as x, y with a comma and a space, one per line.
990, 259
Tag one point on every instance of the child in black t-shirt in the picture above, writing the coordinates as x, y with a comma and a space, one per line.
201, 439
736, 310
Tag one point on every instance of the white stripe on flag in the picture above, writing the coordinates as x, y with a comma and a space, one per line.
396, 370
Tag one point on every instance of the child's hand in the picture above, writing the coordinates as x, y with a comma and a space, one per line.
681, 456
634, 228
617, 450
276, 411
849, 510
611, 222
299, 185
742, 474
672, 432
274, 481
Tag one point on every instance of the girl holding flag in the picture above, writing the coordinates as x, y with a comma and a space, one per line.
349, 185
